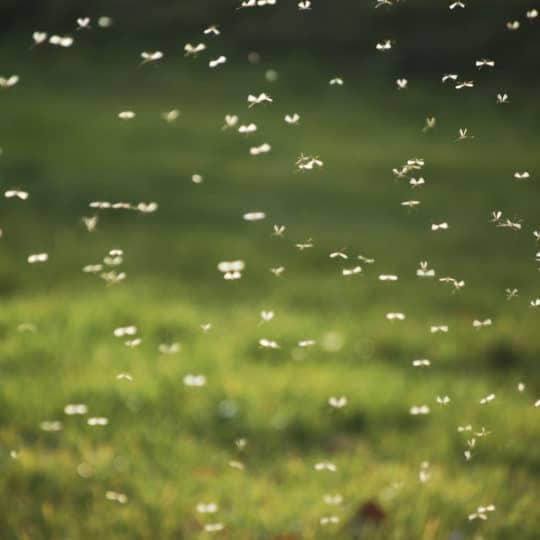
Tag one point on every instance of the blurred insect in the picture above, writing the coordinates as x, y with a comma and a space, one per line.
306, 343
254, 216
231, 270
215, 527
193, 50
385, 45
90, 222
525, 175
351, 271
464, 84
61, 41
424, 271
217, 62
502, 99
456, 284
277, 271
256, 100
338, 255
194, 380
76, 409
39, 38
443, 400
230, 121
436, 329
98, 421
333, 499
325, 466
8, 82
257, 3
337, 81
146, 207
419, 410
268, 344
532, 14
463, 134
51, 425
261, 149
125, 331
38, 258
292, 119
17, 194
307, 244
484, 62
421, 362
481, 512
337, 402
116, 497
430, 124
402, 84
481, 324
388, 277
267, 315
308, 163
169, 348
207, 508
535, 303
279, 230
247, 129
488, 399
457, 4
124, 377
83, 23
213, 29
366, 260
509, 224
513, 25
395, 316
304, 5
170, 116
439, 226
449, 77
126, 115
511, 293
326, 520
410, 204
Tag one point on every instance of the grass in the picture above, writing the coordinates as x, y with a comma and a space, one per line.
168, 446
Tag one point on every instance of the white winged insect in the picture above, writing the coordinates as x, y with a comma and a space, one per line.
385, 45
8, 82
16, 194
292, 119
256, 100
484, 62
337, 402
217, 62
151, 56
261, 149
424, 271
481, 323
212, 30
194, 50
38, 258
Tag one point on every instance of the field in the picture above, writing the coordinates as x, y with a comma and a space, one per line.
168, 446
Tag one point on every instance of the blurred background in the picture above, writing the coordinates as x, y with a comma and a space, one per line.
168, 446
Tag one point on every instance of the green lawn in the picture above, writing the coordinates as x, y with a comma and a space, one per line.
167, 446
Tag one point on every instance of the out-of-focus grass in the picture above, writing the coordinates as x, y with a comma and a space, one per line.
168, 446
